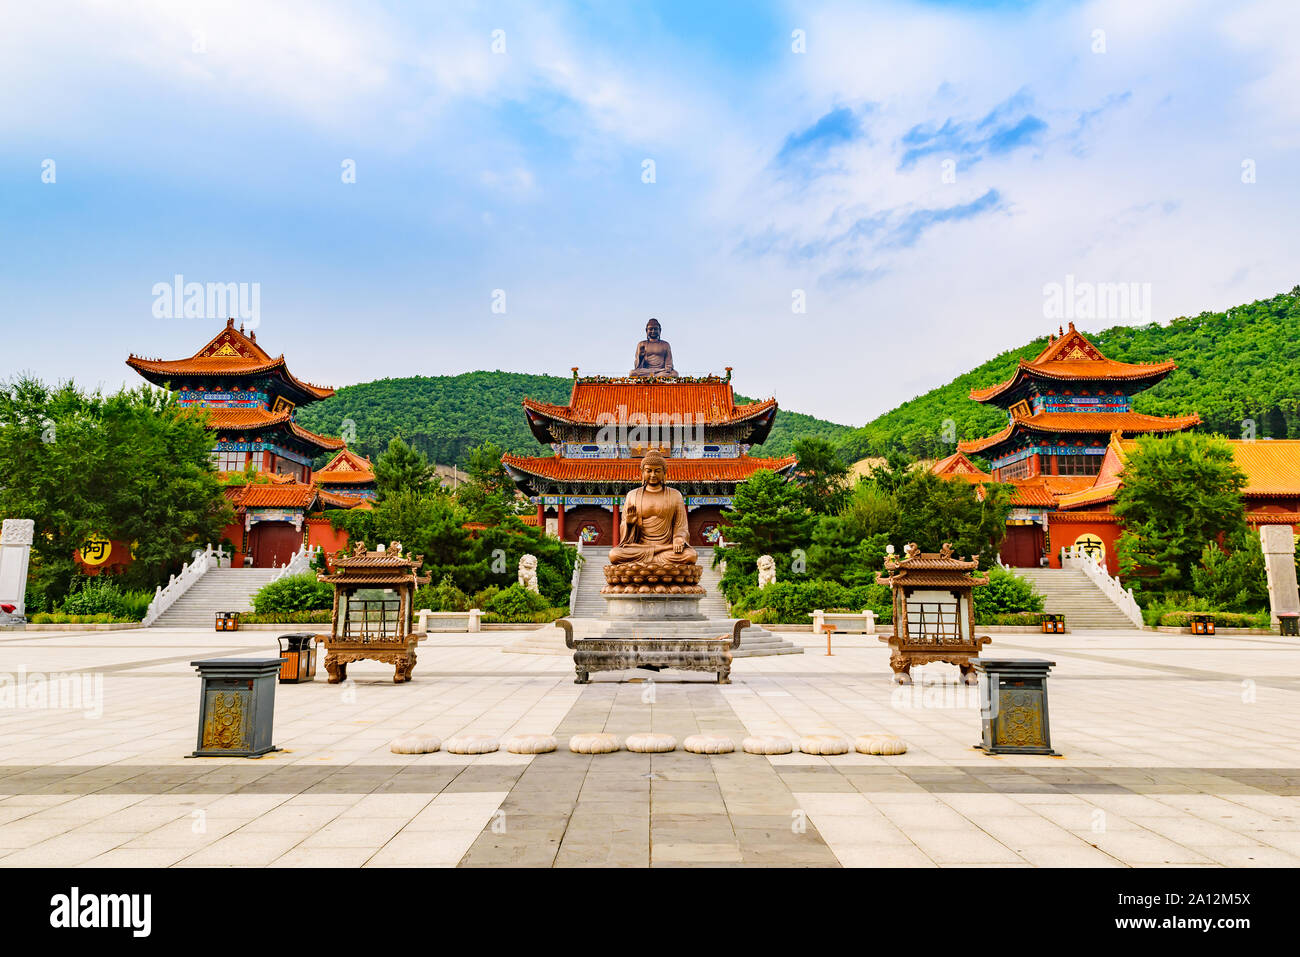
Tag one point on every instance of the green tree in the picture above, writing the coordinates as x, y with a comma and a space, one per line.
1233, 578
401, 469
134, 466
1180, 493
767, 516
488, 492
932, 511
822, 475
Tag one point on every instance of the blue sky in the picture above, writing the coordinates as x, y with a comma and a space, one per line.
917, 175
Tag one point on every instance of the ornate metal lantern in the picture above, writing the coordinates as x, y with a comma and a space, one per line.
236, 707
1013, 705
298, 652
934, 613
374, 597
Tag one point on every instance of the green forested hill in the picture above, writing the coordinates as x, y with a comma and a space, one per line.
443, 416
1235, 365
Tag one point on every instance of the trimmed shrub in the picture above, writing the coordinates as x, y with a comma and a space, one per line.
293, 593
444, 596
1006, 593
314, 617
1224, 619
515, 603
791, 602
101, 596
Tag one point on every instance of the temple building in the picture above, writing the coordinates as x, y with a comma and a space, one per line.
599, 437
251, 402
347, 474
1271, 495
1064, 408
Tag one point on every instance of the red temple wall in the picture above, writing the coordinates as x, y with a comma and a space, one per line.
1065, 528
576, 516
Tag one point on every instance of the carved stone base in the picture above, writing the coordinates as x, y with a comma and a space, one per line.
903, 657
401, 657
630, 607
636, 578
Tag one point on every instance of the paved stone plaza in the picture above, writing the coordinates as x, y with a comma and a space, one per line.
1175, 751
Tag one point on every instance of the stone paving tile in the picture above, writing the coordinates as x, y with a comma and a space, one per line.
1163, 762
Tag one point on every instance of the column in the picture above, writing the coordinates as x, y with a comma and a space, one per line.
15, 554
541, 515
559, 519
616, 522
1278, 544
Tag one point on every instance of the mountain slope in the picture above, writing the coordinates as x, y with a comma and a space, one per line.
1233, 366
444, 416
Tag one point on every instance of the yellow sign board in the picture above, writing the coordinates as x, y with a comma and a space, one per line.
1091, 545
96, 550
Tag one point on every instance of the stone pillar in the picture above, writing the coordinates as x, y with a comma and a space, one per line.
541, 517
617, 520
1278, 543
15, 553
559, 520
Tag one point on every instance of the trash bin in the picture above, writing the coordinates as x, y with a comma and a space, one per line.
1289, 623
236, 707
1202, 624
1053, 624
227, 621
1013, 705
298, 652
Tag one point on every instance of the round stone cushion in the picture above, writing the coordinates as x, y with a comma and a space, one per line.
593, 743
824, 744
767, 744
709, 744
414, 744
650, 742
471, 744
880, 744
531, 744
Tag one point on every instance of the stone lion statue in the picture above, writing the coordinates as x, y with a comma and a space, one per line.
766, 571
528, 572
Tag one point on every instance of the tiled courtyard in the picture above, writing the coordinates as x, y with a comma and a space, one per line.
1174, 751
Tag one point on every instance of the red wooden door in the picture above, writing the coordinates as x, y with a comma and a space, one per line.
273, 543
1023, 546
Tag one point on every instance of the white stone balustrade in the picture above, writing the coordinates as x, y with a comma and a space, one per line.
177, 585
1091, 565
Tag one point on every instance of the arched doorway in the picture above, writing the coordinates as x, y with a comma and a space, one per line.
272, 544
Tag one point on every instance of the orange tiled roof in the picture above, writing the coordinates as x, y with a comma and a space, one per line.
228, 353
346, 468
275, 496
1073, 358
628, 471
1090, 517
712, 400
255, 420
294, 495
1272, 466
957, 466
1046, 491
1273, 518
1085, 423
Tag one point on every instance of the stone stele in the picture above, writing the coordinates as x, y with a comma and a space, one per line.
1278, 544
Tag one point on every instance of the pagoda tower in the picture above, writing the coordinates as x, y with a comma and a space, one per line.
609, 423
1064, 409
251, 400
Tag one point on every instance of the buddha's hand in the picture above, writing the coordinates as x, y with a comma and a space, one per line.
678, 547
630, 514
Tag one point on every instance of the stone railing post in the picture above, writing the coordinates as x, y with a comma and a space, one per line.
15, 557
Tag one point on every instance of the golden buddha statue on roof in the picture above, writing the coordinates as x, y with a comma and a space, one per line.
654, 357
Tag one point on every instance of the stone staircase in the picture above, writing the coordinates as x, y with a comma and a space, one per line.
221, 589
588, 609
1070, 592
